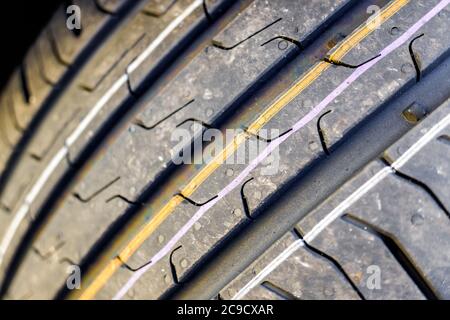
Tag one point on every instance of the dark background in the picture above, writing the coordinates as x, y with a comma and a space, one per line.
20, 23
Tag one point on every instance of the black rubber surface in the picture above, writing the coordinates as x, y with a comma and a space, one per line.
87, 143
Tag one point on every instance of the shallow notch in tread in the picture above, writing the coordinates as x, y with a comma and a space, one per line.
24, 84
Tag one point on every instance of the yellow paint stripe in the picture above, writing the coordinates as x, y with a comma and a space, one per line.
288, 96
356, 37
366, 29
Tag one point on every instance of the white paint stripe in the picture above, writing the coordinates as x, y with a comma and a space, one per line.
163, 35
45, 176
274, 144
271, 266
380, 175
347, 203
95, 110
62, 153
25, 207
20, 215
344, 205
319, 227
366, 187
132, 67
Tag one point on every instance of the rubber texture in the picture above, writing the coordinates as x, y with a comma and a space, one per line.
360, 186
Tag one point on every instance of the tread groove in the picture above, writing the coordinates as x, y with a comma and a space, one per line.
226, 48
24, 84
321, 133
96, 193
421, 185
333, 261
402, 258
283, 294
118, 121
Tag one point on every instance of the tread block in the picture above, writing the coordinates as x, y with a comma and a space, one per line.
332, 77
421, 167
177, 20
120, 50
359, 253
145, 30
5, 151
4, 219
397, 210
34, 288
45, 66
263, 186
342, 107
411, 217
120, 189
311, 277
217, 67
38, 87
207, 89
93, 225
69, 44
159, 7
394, 73
51, 68
12, 193
158, 279
28, 89
208, 73
10, 133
